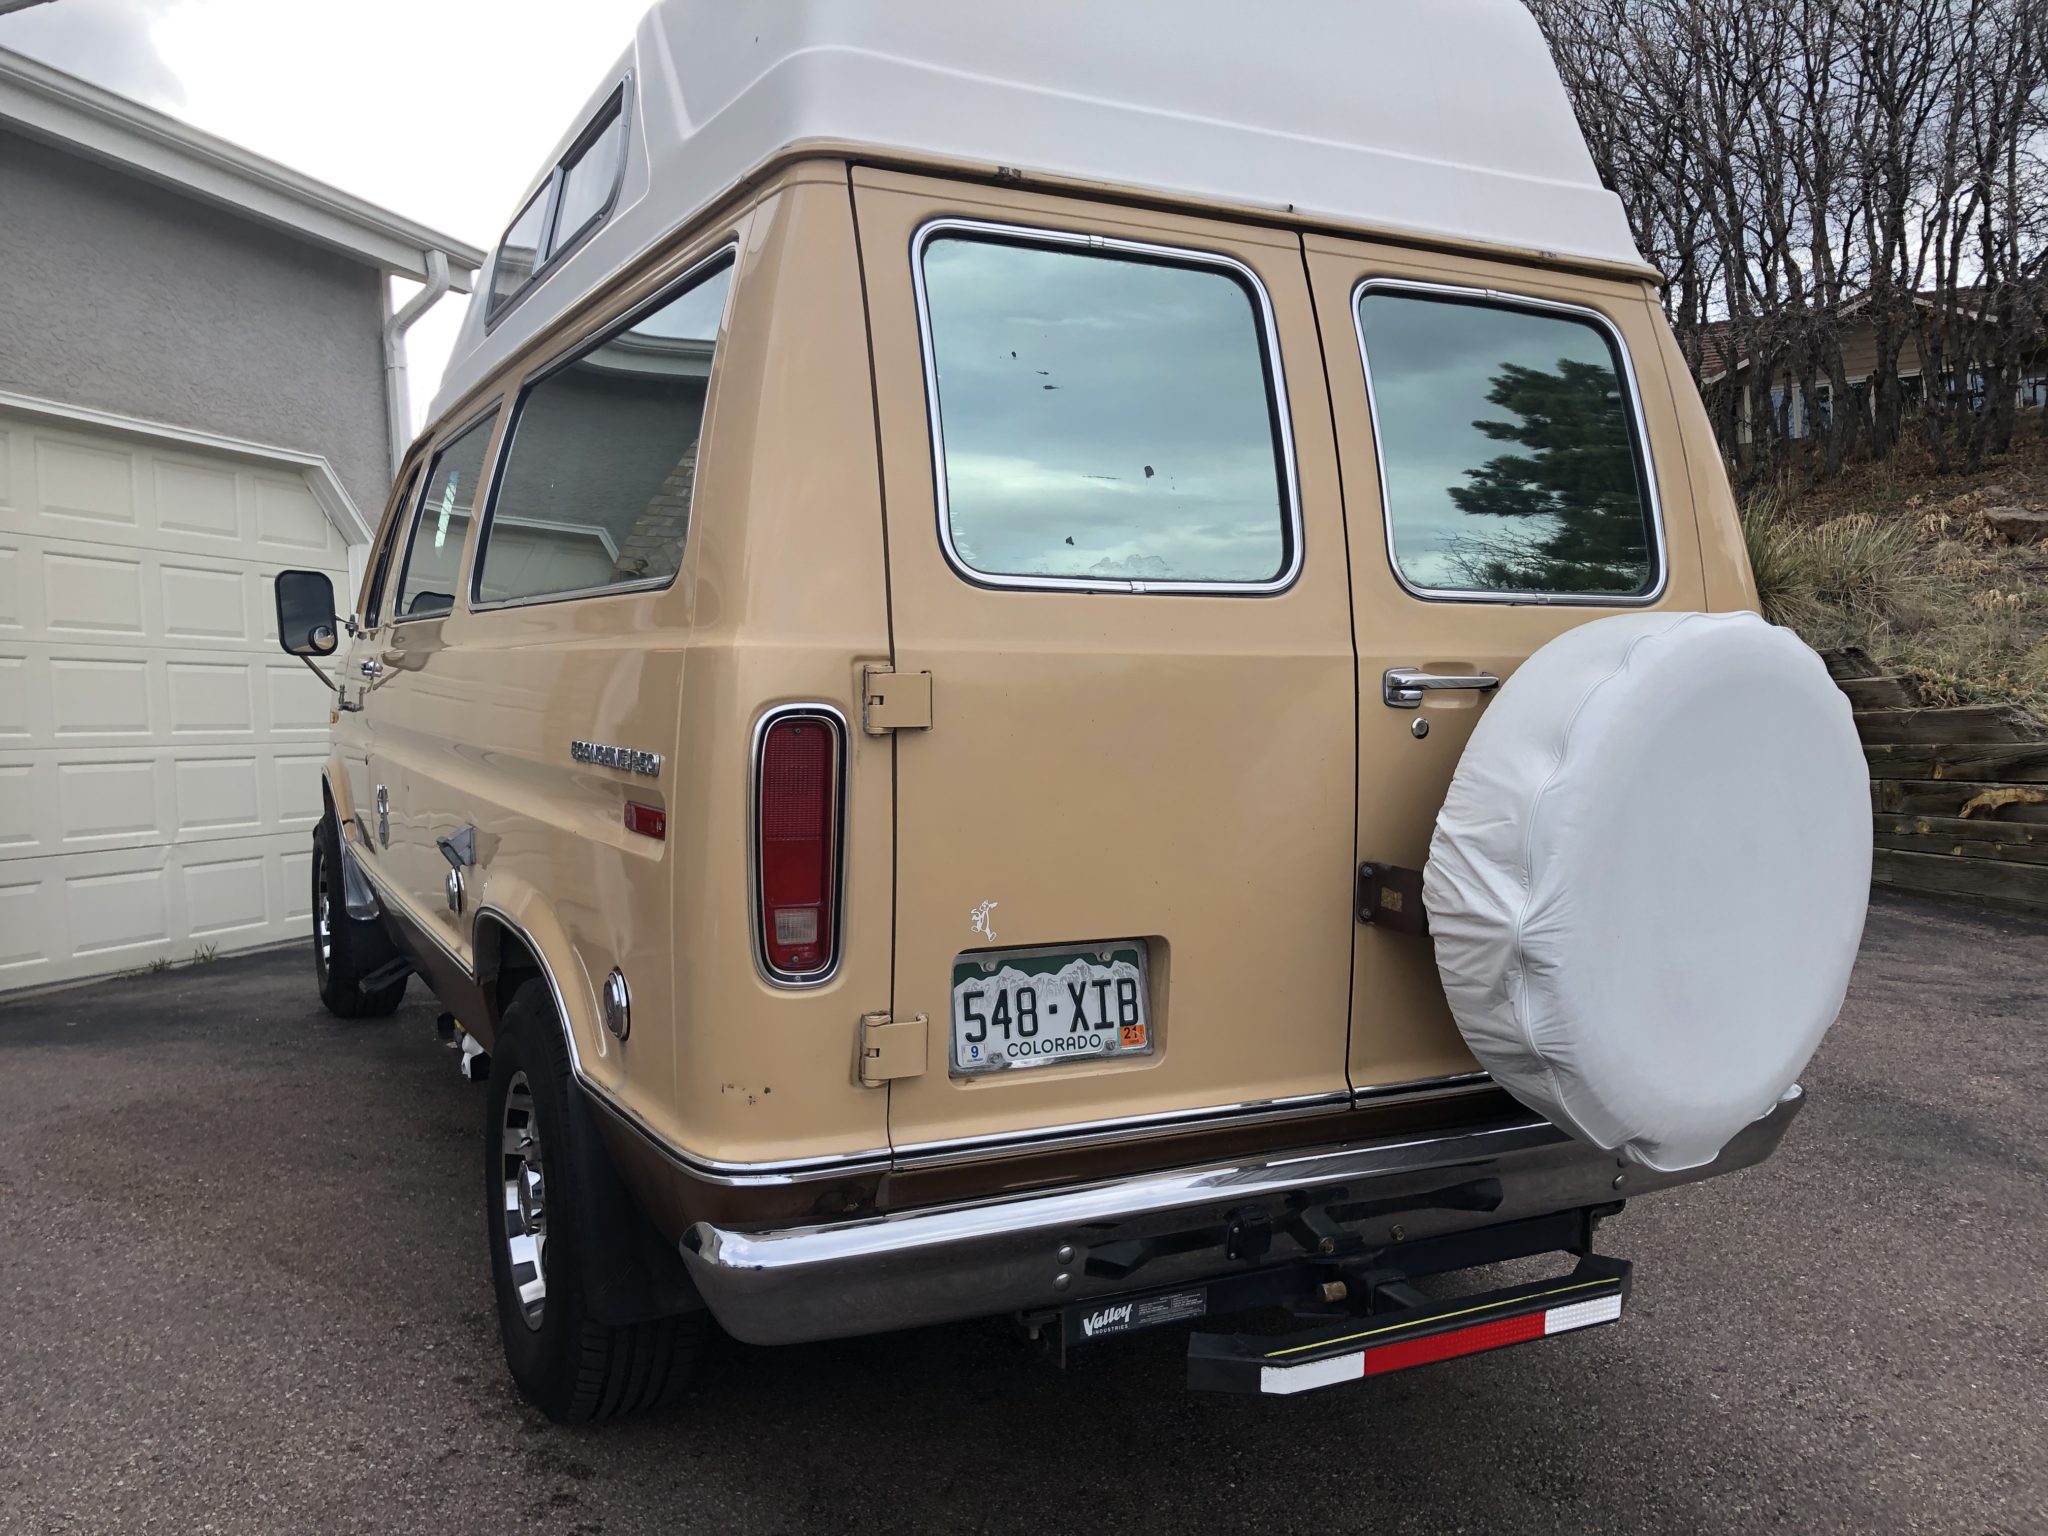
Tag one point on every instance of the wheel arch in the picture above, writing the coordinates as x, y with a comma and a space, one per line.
513, 942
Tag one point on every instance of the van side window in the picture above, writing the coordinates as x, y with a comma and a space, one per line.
1104, 416
1510, 451
433, 560
595, 490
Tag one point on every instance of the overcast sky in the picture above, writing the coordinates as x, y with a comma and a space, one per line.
438, 109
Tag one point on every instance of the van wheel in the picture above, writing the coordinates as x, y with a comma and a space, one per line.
546, 1181
346, 949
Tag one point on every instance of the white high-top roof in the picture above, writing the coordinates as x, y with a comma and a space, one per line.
1435, 118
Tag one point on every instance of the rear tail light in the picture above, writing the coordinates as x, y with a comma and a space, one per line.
796, 845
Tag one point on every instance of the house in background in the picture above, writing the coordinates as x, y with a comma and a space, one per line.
201, 381
1722, 368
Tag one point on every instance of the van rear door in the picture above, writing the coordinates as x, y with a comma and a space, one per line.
1124, 844
1511, 468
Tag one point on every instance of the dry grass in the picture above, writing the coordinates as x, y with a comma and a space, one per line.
1903, 564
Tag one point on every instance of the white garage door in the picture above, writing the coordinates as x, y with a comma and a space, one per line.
159, 756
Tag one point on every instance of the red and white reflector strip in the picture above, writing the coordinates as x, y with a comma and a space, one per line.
1398, 1354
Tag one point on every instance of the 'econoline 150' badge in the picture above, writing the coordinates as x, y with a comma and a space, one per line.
628, 759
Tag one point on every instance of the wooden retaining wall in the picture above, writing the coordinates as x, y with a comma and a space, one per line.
1958, 797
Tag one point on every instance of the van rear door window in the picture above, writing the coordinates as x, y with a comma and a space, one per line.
1510, 451
433, 562
596, 487
1105, 415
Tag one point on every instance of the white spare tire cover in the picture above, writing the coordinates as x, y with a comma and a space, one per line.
1648, 883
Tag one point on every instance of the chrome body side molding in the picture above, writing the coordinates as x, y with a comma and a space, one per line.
921, 1155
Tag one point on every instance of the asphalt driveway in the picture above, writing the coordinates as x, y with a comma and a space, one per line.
243, 1288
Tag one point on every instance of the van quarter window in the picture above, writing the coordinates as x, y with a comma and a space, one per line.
596, 486
433, 562
1510, 450
1106, 416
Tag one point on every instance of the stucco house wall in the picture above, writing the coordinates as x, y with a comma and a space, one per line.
128, 297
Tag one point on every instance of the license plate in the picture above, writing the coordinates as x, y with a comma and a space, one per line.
1022, 1008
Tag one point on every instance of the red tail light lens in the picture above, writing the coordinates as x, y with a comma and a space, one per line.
796, 855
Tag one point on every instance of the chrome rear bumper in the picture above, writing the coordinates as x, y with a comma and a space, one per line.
1029, 1252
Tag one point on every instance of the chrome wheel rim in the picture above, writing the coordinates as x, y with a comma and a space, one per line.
524, 1191
323, 925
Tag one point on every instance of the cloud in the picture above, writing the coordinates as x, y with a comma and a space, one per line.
109, 42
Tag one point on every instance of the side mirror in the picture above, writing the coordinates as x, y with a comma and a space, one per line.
305, 613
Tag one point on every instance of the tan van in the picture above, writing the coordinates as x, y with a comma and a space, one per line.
902, 700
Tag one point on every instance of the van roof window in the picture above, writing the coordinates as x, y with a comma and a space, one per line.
579, 191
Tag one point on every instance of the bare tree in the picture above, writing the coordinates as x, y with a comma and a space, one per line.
1802, 169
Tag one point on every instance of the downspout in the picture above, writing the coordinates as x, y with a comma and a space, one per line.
397, 398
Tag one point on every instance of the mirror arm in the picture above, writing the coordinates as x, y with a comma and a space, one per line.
340, 696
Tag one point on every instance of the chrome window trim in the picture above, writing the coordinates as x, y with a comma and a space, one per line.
692, 275
549, 254
376, 577
1646, 463
1169, 255
833, 716
487, 469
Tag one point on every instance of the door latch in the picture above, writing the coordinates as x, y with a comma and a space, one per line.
890, 1048
894, 701
459, 849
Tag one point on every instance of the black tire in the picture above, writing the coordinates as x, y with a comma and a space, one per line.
566, 1362
346, 949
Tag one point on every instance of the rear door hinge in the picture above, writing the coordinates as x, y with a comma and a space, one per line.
1391, 897
890, 1048
894, 701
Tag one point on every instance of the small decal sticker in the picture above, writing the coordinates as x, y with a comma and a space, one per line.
1111, 1318
984, 923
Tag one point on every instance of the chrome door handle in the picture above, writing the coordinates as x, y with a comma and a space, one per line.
372, 667
1404, 687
